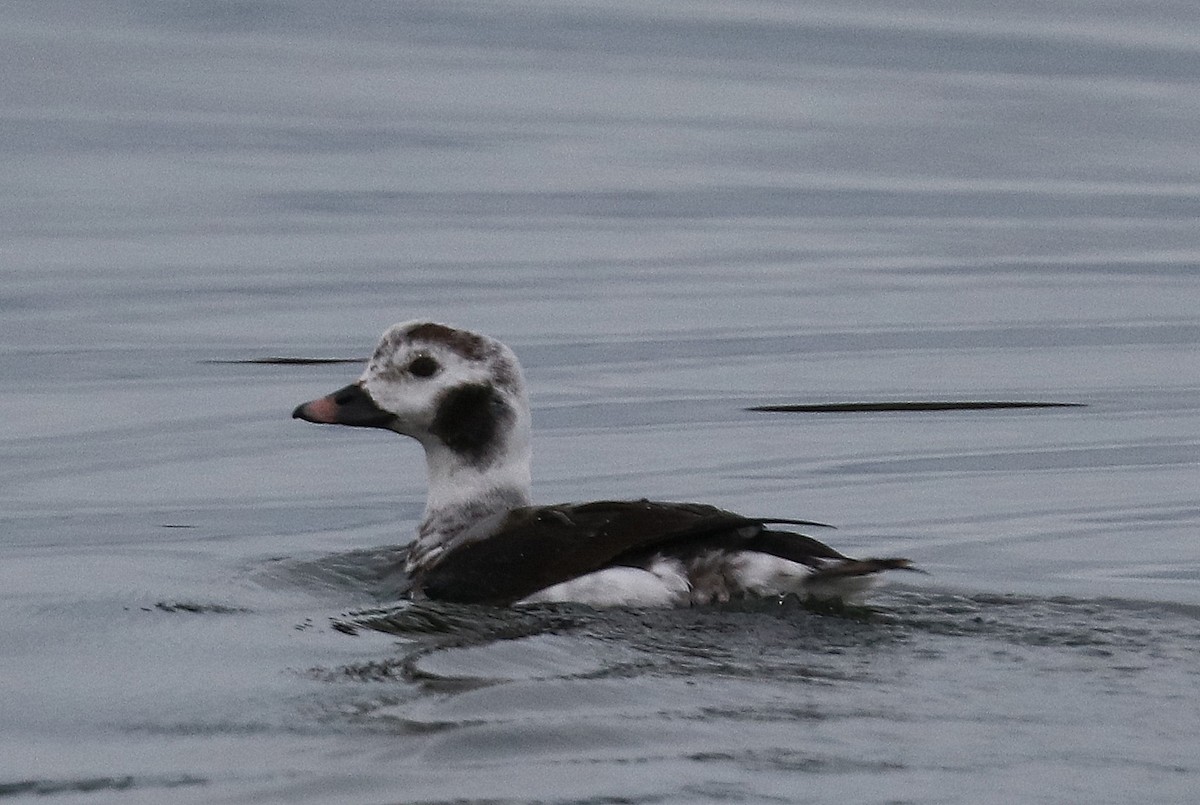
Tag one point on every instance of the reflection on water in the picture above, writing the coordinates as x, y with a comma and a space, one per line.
673, 213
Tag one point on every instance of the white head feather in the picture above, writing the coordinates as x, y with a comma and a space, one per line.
462, 396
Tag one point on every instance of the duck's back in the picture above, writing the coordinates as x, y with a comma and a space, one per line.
633, 552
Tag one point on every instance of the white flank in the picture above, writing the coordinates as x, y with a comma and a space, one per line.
664, 584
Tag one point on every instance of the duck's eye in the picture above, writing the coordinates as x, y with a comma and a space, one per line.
423, 366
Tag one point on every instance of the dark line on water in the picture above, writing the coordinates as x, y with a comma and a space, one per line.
286, 361
90, 785
926, 405
196, 609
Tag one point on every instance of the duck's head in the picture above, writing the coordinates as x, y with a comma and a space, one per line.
460, 394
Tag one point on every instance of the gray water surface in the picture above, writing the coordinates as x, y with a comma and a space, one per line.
673, 212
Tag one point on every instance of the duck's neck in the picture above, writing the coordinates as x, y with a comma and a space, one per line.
461, 493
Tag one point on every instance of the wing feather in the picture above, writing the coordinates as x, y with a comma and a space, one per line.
534, 547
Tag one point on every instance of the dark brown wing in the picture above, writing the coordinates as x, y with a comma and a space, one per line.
539, 546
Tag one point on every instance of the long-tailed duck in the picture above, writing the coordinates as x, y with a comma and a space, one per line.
462, 396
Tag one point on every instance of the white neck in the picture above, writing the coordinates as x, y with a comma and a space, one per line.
462, 492
457, 483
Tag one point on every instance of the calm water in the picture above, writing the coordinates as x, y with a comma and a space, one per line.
672, 211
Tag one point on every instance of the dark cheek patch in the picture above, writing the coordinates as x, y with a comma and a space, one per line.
471, 421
